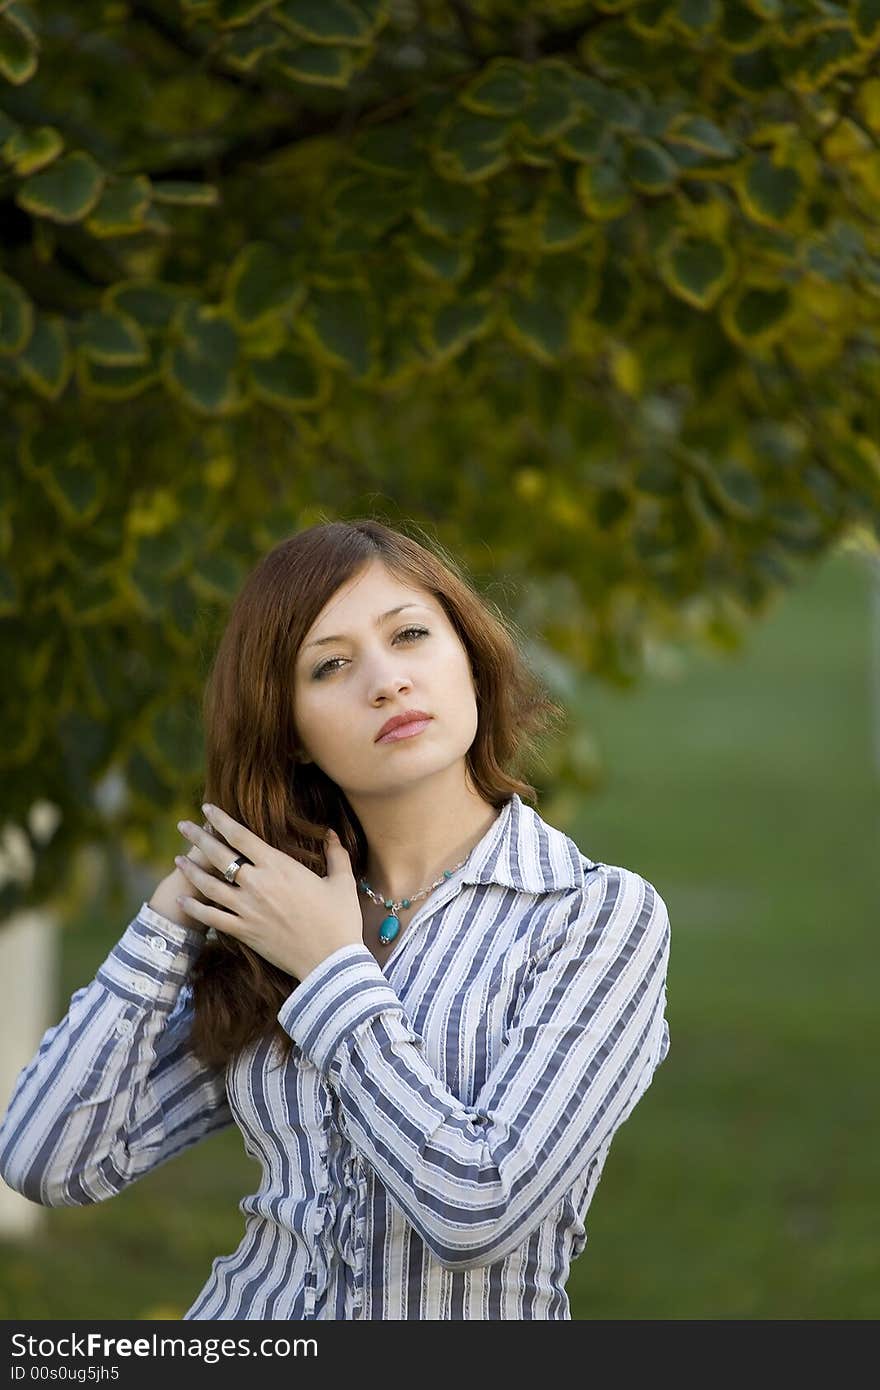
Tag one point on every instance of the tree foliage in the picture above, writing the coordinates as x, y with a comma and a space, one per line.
593, 289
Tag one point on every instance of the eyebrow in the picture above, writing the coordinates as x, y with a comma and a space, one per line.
340, 637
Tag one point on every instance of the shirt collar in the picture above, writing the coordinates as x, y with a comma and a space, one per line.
520, 850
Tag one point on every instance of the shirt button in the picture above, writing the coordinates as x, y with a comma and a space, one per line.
124, 1025
141, 984
158, 943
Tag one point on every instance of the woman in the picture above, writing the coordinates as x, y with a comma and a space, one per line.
429, 1046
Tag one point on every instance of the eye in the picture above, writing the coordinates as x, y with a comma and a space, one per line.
410, 633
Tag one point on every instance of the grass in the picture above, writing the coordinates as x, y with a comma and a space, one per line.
743, 1186
746, 791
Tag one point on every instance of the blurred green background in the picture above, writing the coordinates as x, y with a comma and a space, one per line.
744, 1184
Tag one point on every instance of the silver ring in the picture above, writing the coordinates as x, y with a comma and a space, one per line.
230, 872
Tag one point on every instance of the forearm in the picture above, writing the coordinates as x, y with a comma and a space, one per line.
113, 1088
164, 900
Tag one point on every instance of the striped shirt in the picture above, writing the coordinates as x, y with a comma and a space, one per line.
432, 1145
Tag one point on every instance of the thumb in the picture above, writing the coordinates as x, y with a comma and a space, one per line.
337, 854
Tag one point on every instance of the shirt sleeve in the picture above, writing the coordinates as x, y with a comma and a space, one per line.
114, 1089
588, 1033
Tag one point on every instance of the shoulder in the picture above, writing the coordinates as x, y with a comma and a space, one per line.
614, 905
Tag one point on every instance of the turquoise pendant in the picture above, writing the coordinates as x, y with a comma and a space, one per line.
389, 928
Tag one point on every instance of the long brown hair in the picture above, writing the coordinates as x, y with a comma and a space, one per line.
251, 766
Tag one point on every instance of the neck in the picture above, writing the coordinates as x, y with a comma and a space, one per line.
416, 832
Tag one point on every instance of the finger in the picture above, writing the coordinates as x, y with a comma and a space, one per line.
206, 843
209, 884
197, 856
237, 835
211, 916
337, 856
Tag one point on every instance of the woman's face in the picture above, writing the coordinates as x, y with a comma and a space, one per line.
379, 664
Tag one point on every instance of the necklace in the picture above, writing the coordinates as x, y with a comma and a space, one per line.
391, 924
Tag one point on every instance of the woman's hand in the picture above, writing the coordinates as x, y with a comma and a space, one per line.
293, 917
201, 860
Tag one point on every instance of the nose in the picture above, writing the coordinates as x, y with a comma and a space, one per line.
392, 689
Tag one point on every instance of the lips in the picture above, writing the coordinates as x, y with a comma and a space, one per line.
409, 716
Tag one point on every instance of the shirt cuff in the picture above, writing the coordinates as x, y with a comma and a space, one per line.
151, 960
346, 991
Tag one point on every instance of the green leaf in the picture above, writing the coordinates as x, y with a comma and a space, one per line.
176, 736
370, 204
697, 17
86, 747
10, 593
755, 74
769, 192
324, 21
46, 362
699, 133
30, 150
437, 259
402, 355
447, 209
552, 108
8, 129
459, 323
122, 207
378, 13
610, 104
198, 363
470, 147
659, 476
867, 22
66, 192
317, 64
186, 193
738, 489
150, 302
650, 18
21, 13
501, 89
217, 576
236, 12
72, 483
390, 148
695, 269
114, 383
538, 325
603, 192
141, 779
615, 49
289, 380
261, 282
757, 315
244, 49
113, 339
821, 58
741, 28
18, 52
650, 168
341, 324
16, 317
614, 305
560, 222
182, 611
586, 138
349, 240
